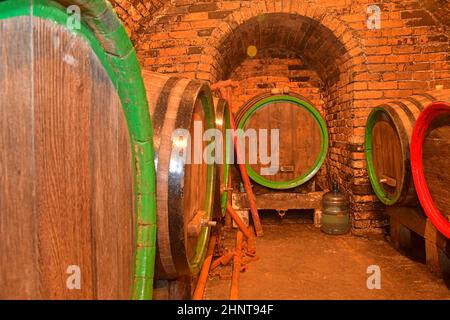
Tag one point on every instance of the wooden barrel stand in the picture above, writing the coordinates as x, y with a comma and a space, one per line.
413, 234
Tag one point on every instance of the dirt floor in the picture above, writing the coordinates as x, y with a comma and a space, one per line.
298, 261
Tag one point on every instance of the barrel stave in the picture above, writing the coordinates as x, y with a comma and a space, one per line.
184, 189
78, 169
223, 169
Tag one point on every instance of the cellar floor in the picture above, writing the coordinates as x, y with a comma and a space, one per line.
298, 261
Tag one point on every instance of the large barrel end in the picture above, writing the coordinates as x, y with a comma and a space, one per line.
430, 151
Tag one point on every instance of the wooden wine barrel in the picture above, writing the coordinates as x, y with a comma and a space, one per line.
303, 138
388, 135
185, 189
223, 170
66, 167
430, 163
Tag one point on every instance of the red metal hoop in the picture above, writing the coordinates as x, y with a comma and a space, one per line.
424, 121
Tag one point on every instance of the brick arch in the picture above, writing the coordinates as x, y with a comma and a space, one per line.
338, 93
440, 9
341, 33
136, 13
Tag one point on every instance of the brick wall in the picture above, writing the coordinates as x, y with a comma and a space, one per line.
275, 69
356, 68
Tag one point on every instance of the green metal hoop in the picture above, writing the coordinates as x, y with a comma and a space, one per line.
376, 186
226, 160
320, 158
196, 262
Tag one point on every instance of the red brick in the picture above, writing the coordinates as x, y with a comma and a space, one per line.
204, 40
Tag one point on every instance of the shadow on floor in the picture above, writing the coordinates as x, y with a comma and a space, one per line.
298, 261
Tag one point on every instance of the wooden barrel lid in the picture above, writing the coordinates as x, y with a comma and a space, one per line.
303, 139
388, 134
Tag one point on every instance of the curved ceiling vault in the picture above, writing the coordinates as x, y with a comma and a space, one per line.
134, 13
440, 9
313, 42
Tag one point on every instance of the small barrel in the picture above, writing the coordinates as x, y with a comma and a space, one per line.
388, 135
223, 124
67, 158
430, 163
184, 181
303, 139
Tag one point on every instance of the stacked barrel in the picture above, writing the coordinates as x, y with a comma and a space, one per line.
86, 176
407, 150
391, 129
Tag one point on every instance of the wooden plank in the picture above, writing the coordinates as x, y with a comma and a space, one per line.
436, 164
437, 247
67, 181
415, 220
410, 217
165, 263
280, 200
63, 97
392, 182
126, 217
387, 155
19, 277
194, 184
84, 168
437, 250
111, 208
300, 139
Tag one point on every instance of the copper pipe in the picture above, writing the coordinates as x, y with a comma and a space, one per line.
203, 276
234, 292
246, 231
246, 180
223, 260
251, 245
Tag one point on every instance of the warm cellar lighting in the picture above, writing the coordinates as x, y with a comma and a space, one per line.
252, 51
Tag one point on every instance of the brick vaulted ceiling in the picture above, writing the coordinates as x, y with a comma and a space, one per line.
440, 9
137, 13
316, 44
312, 41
